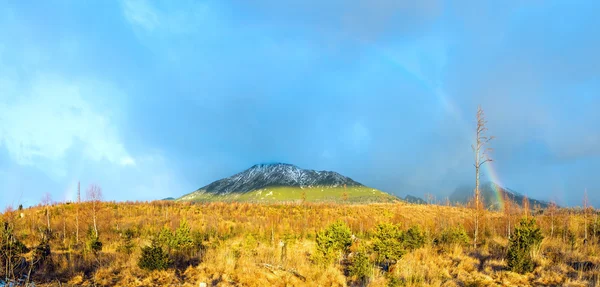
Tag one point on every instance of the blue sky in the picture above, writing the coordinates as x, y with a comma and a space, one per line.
155, 99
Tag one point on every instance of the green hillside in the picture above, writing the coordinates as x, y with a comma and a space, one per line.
354, 194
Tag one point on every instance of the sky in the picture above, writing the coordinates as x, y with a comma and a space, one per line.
155, 99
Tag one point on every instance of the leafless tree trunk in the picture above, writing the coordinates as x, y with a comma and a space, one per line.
481, 151
525, 206
46, 201
552, 211
585, 212
77, 213
64, 231
94, 194
595, 226
508, 213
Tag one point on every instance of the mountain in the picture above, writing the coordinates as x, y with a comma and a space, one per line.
492, 194
286, 182
413, 199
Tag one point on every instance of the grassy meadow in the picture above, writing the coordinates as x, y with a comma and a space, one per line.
287, 194
167, 243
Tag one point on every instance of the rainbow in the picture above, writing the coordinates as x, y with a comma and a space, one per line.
407, 59
492, 175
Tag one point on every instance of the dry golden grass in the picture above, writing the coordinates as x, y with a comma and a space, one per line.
242, 246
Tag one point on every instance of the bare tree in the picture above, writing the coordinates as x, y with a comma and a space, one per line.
77, 212
552, 211
525, 206
585, 217
46, 201
345, 195
508, 212
595, 229
481, 151
11, 249
94, 194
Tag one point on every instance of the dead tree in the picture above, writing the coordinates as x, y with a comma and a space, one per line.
595, 229
552, 211
46, 201
94, 194
481, 151
508, 213
77, 213
525, 206
585, 217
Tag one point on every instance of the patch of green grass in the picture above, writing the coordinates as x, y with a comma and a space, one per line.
354, 194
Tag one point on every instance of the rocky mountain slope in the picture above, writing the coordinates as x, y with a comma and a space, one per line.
286, 182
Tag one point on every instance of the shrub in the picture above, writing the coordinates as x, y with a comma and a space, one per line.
335, 239
11, 251
165, 238
360, 267
154, 258
594, 229
128, 244
182, 240
413, 238
526, 237
454, 235
42, 251
387, 243
572, 239
9, 244
93, 243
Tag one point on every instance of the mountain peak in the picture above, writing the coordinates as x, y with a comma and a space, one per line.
276, 174
273, 165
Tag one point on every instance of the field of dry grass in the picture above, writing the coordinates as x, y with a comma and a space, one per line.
275, 245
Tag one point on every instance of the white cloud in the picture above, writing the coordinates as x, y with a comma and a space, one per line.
183, 18
42, 119
140, 12
127, 161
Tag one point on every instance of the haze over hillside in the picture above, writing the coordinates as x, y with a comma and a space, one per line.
493, 196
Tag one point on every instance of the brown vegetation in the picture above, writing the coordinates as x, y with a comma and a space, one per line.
241, 244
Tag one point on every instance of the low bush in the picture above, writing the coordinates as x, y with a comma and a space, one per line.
333, 242
361, 268
454, 235
387, 243
128, 245
154, 258
413, 238
526, 237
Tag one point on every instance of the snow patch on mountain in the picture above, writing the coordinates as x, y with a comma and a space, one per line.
279, 174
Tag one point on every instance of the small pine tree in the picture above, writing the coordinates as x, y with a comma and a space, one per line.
333, 241
154, 258
42, 251
128, 244
361, 268
413, 238
165, 238
387, 243
526, 237
93, 243
182, 240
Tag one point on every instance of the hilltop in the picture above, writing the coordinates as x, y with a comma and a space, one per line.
286, 182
